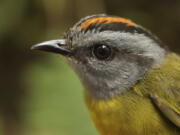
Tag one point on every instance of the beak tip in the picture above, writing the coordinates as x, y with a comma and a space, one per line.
33, 47
37, 47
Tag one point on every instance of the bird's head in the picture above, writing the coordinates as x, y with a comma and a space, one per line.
108, 53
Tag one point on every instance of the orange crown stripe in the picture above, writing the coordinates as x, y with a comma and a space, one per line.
99, 20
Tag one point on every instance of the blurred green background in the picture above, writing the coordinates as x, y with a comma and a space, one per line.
39, 93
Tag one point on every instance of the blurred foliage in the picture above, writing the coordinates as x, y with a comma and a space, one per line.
39, 94
56, 104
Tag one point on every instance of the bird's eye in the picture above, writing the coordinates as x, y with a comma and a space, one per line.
102, 52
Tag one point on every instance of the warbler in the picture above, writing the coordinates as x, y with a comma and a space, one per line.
131, 79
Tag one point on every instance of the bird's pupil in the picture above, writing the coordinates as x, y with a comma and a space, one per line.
102, 52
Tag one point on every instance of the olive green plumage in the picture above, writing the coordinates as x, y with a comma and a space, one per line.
150, 107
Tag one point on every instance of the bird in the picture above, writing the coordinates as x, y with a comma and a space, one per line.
131, 78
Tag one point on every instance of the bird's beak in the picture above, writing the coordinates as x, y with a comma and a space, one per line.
54, 46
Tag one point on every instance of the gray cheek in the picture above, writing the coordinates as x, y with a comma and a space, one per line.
115, 82
104, 80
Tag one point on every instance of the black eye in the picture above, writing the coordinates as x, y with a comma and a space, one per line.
102, 52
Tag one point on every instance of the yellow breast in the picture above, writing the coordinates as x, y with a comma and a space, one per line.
127, 114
